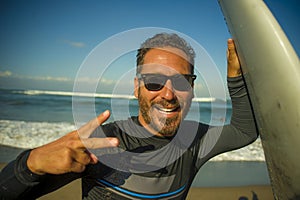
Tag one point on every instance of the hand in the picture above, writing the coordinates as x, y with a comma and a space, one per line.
69, 153
233, 63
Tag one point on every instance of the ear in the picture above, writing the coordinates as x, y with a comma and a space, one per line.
136, 87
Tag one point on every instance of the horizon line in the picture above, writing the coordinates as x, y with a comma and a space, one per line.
100, 95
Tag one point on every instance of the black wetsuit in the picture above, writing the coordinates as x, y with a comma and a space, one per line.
144, 166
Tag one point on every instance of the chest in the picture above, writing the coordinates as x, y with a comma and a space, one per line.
170, 181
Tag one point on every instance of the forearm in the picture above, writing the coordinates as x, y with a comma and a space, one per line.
18, 182
16, 178
242, 114
241, 130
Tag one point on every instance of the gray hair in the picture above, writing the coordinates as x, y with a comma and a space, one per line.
164, 40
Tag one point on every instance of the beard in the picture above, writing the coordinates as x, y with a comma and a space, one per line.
166, 126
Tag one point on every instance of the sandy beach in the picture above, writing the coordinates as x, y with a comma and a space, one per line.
72, 191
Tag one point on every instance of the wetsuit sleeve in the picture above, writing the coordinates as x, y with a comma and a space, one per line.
18, 182
240, 132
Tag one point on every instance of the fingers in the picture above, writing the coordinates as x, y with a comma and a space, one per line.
83, 157
78, 157
69, 153
230, 49
93, 143
230, 44
86, 130
96, 143
77, 167
94, 158
103, 117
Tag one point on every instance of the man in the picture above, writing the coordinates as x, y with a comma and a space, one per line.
155, 155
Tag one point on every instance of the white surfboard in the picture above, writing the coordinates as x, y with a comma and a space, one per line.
273, 79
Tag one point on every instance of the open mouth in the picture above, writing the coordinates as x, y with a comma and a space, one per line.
167, 110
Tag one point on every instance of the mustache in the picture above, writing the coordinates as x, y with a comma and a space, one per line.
167, 103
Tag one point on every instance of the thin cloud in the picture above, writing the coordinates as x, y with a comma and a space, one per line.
88, 80
40, 78
75, 44
5, 73
50, 78
106, 85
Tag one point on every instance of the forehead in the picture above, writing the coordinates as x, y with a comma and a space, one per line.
166, 59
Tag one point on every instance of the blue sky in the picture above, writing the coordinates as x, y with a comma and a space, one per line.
44, 43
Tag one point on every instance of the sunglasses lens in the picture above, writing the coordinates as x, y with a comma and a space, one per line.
154, 82
180, 83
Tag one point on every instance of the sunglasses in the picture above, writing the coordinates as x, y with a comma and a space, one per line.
155, 82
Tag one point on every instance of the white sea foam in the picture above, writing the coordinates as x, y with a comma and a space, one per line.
33, 134
252, 152
119, 96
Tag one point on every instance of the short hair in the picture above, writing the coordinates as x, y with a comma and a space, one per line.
164, 40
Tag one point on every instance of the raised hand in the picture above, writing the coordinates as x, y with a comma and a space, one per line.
233, 63
69, 153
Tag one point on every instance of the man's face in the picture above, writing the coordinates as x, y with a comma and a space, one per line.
162, 111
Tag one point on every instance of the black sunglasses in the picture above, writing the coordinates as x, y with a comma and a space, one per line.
155, 82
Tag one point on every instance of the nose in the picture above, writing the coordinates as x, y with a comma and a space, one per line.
167, 92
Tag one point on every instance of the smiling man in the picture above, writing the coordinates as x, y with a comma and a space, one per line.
164, 89
154, 155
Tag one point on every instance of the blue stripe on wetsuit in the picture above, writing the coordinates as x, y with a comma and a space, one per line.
144, 196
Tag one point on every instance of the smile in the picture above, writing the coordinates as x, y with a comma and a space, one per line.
167, 110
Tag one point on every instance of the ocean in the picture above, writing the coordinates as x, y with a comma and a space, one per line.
30, 118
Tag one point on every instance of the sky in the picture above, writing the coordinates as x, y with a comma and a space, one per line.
44, 44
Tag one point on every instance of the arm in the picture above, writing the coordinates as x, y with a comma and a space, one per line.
242, 126
242, 129
18, 182
46, 168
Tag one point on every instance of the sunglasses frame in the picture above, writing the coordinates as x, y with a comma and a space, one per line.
190, 78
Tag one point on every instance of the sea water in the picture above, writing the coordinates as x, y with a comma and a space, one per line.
30, 118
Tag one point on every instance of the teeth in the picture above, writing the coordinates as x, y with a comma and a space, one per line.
166, 109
